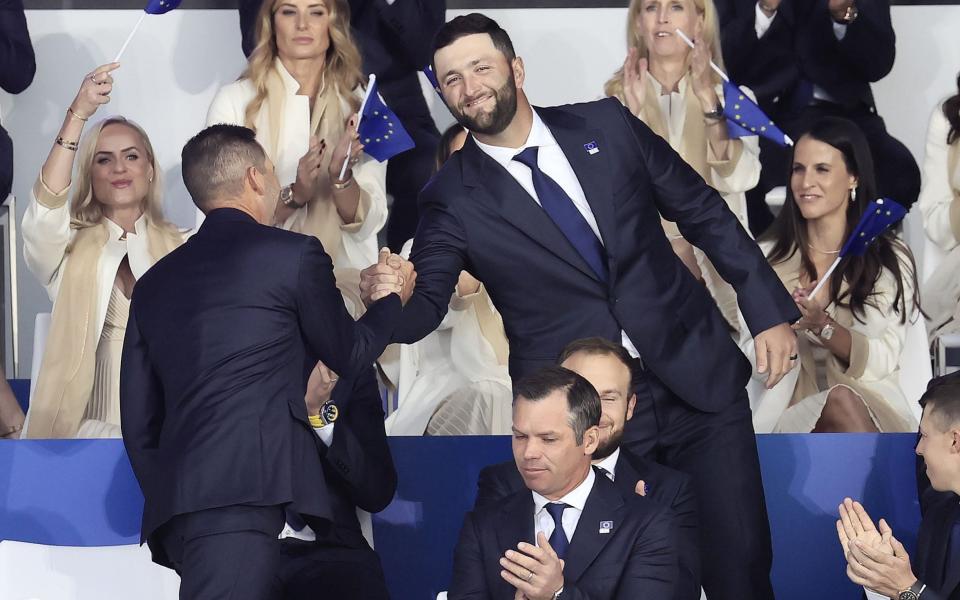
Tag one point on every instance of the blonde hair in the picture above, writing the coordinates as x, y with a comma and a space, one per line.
711, 36
85, 209
341, 72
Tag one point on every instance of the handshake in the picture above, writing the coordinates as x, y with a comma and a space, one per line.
392, 274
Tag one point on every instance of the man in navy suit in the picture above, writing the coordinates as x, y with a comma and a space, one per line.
221, 336
568, 533
557, 211
607, 366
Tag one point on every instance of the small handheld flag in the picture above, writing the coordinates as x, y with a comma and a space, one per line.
744, 117
154, 7
432, 78
381, 132
879, 216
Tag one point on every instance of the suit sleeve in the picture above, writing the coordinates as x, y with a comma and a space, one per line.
17, 62
359, 455
868, 48
491, 487
141, 404
653, 567
684, 509
411, 25
439, 254
468, 581
705, 220
326, 324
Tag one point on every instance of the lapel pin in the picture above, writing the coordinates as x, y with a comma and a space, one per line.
606, 526
591, 148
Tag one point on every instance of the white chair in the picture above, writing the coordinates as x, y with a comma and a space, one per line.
915, 368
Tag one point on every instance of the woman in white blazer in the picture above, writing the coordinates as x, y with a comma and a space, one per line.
851, 334
673, 90
299, 93
89, 253
940, 204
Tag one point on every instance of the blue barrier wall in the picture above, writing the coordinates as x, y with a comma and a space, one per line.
82, 492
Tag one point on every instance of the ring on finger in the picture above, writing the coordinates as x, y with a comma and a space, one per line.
93, 78
529, 576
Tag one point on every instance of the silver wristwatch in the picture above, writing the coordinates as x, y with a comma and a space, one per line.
913, 593
826, 332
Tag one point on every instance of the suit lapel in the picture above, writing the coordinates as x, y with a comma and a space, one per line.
515, 526
592, 170
494, 185
603, 504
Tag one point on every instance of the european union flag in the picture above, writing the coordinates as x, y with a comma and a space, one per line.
159, 7
744, 117
381, 132
879, 216
432, 78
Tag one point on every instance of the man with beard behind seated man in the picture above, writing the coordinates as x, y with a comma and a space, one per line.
571, 534
606, 365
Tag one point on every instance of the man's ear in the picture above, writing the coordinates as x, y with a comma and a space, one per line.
255, 179
631, 404
954, 441
591, 439
519, 74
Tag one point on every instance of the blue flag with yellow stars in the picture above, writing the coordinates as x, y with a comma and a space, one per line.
880, 215
744, 117
381, 132
159, 7
432, 78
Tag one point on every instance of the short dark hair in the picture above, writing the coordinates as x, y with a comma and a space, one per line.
471, 24
943, 400
583, 402
598, 346
216, 159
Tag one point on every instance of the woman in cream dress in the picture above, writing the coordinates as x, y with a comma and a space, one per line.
673, 90
940, 204
852, 332
300, 93
89, 253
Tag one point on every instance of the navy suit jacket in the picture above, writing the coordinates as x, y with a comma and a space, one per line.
358, 466
942, 511
637, 559
475, 216
222, 334
800, 44
668, 487
17, 67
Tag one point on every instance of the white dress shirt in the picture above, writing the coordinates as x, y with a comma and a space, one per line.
307, 534
609, 464
554, 164
575, 501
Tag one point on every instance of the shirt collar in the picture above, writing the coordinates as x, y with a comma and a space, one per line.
289, 81
610, 463
539, 136
658, 87
576, 498
116, 232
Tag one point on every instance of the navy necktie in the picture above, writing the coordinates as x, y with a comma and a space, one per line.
558, 539
561, 209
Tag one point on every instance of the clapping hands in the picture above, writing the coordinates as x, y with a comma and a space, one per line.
392, 274
875, 558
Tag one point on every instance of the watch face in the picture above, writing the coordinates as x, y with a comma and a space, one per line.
907, 595
330, 412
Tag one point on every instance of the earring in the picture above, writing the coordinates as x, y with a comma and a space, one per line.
853, 194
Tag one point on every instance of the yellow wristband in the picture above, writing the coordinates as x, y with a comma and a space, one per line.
316, 421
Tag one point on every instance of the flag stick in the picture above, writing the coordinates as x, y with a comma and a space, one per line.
826, 276
719, 72
130, 37
363, 105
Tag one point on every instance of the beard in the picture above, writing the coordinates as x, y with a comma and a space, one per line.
608, 446
495, 121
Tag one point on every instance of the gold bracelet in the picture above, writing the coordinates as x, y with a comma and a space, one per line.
342, 185
76, 116
71, 146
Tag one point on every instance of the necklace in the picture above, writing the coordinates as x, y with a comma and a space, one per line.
823, 251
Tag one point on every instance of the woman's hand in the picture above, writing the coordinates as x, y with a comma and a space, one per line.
634, 81
813, 315
701, 75
349, 142
309, 171
94, 91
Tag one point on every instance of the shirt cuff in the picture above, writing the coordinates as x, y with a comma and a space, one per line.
458, 302
762, 22
46, 197
839, 29
325, 434
363, 207
859, 353
725, 168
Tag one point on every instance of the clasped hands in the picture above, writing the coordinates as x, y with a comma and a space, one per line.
875, 559
392, 274
535, 571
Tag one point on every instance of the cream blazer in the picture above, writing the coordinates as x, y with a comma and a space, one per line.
873, 370
940, 195
358, 241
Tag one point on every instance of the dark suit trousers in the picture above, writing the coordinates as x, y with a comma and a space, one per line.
719, 451
229, 553
310, 571
898, 176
